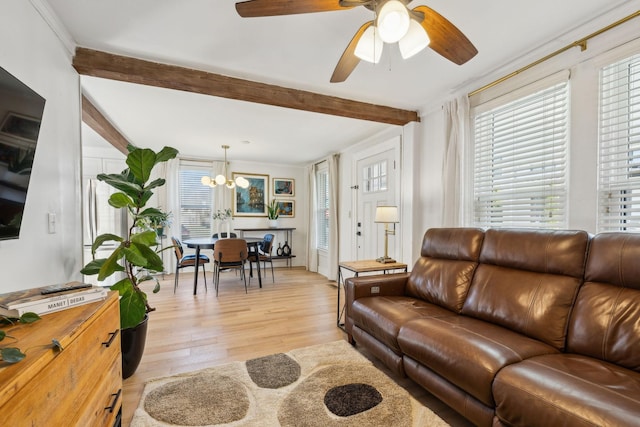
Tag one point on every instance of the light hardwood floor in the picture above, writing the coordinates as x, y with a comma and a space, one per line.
189, 332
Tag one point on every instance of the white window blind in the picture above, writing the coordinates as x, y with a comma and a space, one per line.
196, 204
619, 146
322, 206
520, 161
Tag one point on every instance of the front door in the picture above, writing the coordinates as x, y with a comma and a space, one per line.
377, 181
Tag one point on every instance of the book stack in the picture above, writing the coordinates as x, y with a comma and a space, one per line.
49, 299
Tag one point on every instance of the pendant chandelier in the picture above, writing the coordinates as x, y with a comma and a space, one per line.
223, 179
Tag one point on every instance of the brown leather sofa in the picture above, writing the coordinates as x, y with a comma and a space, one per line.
512, 327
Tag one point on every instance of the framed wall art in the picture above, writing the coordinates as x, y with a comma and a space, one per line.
286, 208
251, 201
283, 187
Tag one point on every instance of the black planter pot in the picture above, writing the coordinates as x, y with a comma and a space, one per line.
132, 345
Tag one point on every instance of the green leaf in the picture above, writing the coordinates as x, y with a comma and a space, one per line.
12, 355
120, 182
93, 267
107, 237
144, 197
154, 262
133, 255
147, 238
141, 162
123, 286
29, 317
156, 288
2, 334
111, 265
132, 309
120, 200
155, 183
167, 153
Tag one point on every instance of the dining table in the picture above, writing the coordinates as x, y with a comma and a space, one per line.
199, 243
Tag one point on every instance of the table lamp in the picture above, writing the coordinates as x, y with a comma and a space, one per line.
387, 215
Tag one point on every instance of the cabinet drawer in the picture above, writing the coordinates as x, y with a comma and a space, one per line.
62, 387
105, 400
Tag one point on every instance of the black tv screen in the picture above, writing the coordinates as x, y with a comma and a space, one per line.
20, 115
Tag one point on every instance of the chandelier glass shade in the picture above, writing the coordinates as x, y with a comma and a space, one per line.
221, 179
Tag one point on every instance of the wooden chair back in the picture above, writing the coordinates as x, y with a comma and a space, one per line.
230, 251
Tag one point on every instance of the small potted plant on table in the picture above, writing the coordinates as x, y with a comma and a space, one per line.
273, 212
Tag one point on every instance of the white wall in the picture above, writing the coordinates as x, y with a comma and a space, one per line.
33, 53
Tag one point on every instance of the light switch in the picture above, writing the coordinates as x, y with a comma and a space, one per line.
51, 219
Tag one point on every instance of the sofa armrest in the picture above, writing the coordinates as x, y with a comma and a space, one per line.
376, 285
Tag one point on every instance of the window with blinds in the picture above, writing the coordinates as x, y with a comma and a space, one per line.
520, 161
322, 206
619, 146
196, 204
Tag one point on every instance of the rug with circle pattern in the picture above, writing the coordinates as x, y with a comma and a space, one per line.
324, 385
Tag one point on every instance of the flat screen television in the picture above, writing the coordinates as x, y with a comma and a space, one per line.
20, 115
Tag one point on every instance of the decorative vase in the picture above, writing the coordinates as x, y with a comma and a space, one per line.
286, 249
132, 342
273, 223
279, 250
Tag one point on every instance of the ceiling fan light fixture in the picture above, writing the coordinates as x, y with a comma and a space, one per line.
414, 41
369, 47
393, 21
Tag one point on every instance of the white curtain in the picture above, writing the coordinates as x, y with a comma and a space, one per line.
173, 206
312, 250
334, 240
456, 113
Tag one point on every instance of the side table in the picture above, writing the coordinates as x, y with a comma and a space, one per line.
357, 267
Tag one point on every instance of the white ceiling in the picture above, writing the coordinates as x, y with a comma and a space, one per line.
296, 51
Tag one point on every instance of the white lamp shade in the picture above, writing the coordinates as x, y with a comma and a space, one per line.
414, 41
393, 21
221, 180
205, 180
369, 47
386, 214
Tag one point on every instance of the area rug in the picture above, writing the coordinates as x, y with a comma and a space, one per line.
323, 385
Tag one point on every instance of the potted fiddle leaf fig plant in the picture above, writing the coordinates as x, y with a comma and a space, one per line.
135, 254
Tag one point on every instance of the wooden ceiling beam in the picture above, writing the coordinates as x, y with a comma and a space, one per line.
98, 122
116, 67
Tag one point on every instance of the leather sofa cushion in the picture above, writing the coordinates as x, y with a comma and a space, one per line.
382, 316
535, 304
567, 389
466, 351
527, 281
442, 275
605, 322
561, 252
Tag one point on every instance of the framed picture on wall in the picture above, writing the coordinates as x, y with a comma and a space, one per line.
251, 201
286, 208
283, 187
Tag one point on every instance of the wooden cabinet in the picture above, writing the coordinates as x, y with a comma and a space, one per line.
80, 385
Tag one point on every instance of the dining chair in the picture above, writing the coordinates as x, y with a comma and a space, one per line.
229, 254
183, 261
264, 254
232, 235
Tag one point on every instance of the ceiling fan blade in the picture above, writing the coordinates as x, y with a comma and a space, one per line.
349, 60
256, 8
446, 38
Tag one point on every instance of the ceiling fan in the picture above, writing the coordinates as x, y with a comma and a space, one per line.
413, 29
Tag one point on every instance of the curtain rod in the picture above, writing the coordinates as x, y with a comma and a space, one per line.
582, 43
